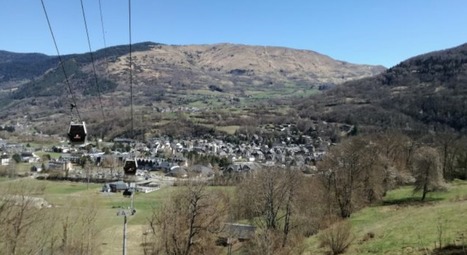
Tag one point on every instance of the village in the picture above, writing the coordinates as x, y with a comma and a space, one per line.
162, 161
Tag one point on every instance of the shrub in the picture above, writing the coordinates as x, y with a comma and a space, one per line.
337, 238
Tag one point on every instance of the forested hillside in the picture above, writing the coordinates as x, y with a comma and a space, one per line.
17, 68
425, 92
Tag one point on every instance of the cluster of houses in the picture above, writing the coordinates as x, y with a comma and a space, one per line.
174, 157
7, 150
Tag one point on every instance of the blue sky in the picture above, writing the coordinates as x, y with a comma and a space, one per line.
382, 32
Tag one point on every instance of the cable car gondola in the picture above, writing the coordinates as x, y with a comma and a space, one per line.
130, 167
77, 133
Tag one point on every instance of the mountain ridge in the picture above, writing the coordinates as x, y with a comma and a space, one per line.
229, 67
164, 76
231, 57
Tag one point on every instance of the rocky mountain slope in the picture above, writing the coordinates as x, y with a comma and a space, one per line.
227, 66
34, 86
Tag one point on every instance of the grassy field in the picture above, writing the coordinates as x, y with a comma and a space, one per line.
403, 225
53, 155
228, 129
62, 195
399, 225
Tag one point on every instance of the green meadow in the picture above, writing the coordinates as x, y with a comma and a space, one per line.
401, 224
404, 225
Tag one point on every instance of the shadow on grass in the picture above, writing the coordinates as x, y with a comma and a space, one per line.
407, 201
451, 250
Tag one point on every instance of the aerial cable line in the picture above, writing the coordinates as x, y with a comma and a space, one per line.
105, 50
70, 91
92, 59
131, 71
103, 37
102, 24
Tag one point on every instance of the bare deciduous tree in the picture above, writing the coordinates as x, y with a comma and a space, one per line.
21, 215
396, 148
187, 223
353, 175
427, 170
270, 199
269, 242
109, 161
448, 148
337, 238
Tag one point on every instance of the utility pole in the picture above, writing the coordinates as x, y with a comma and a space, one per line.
88, 170
125, 213
124, 233
132, 200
